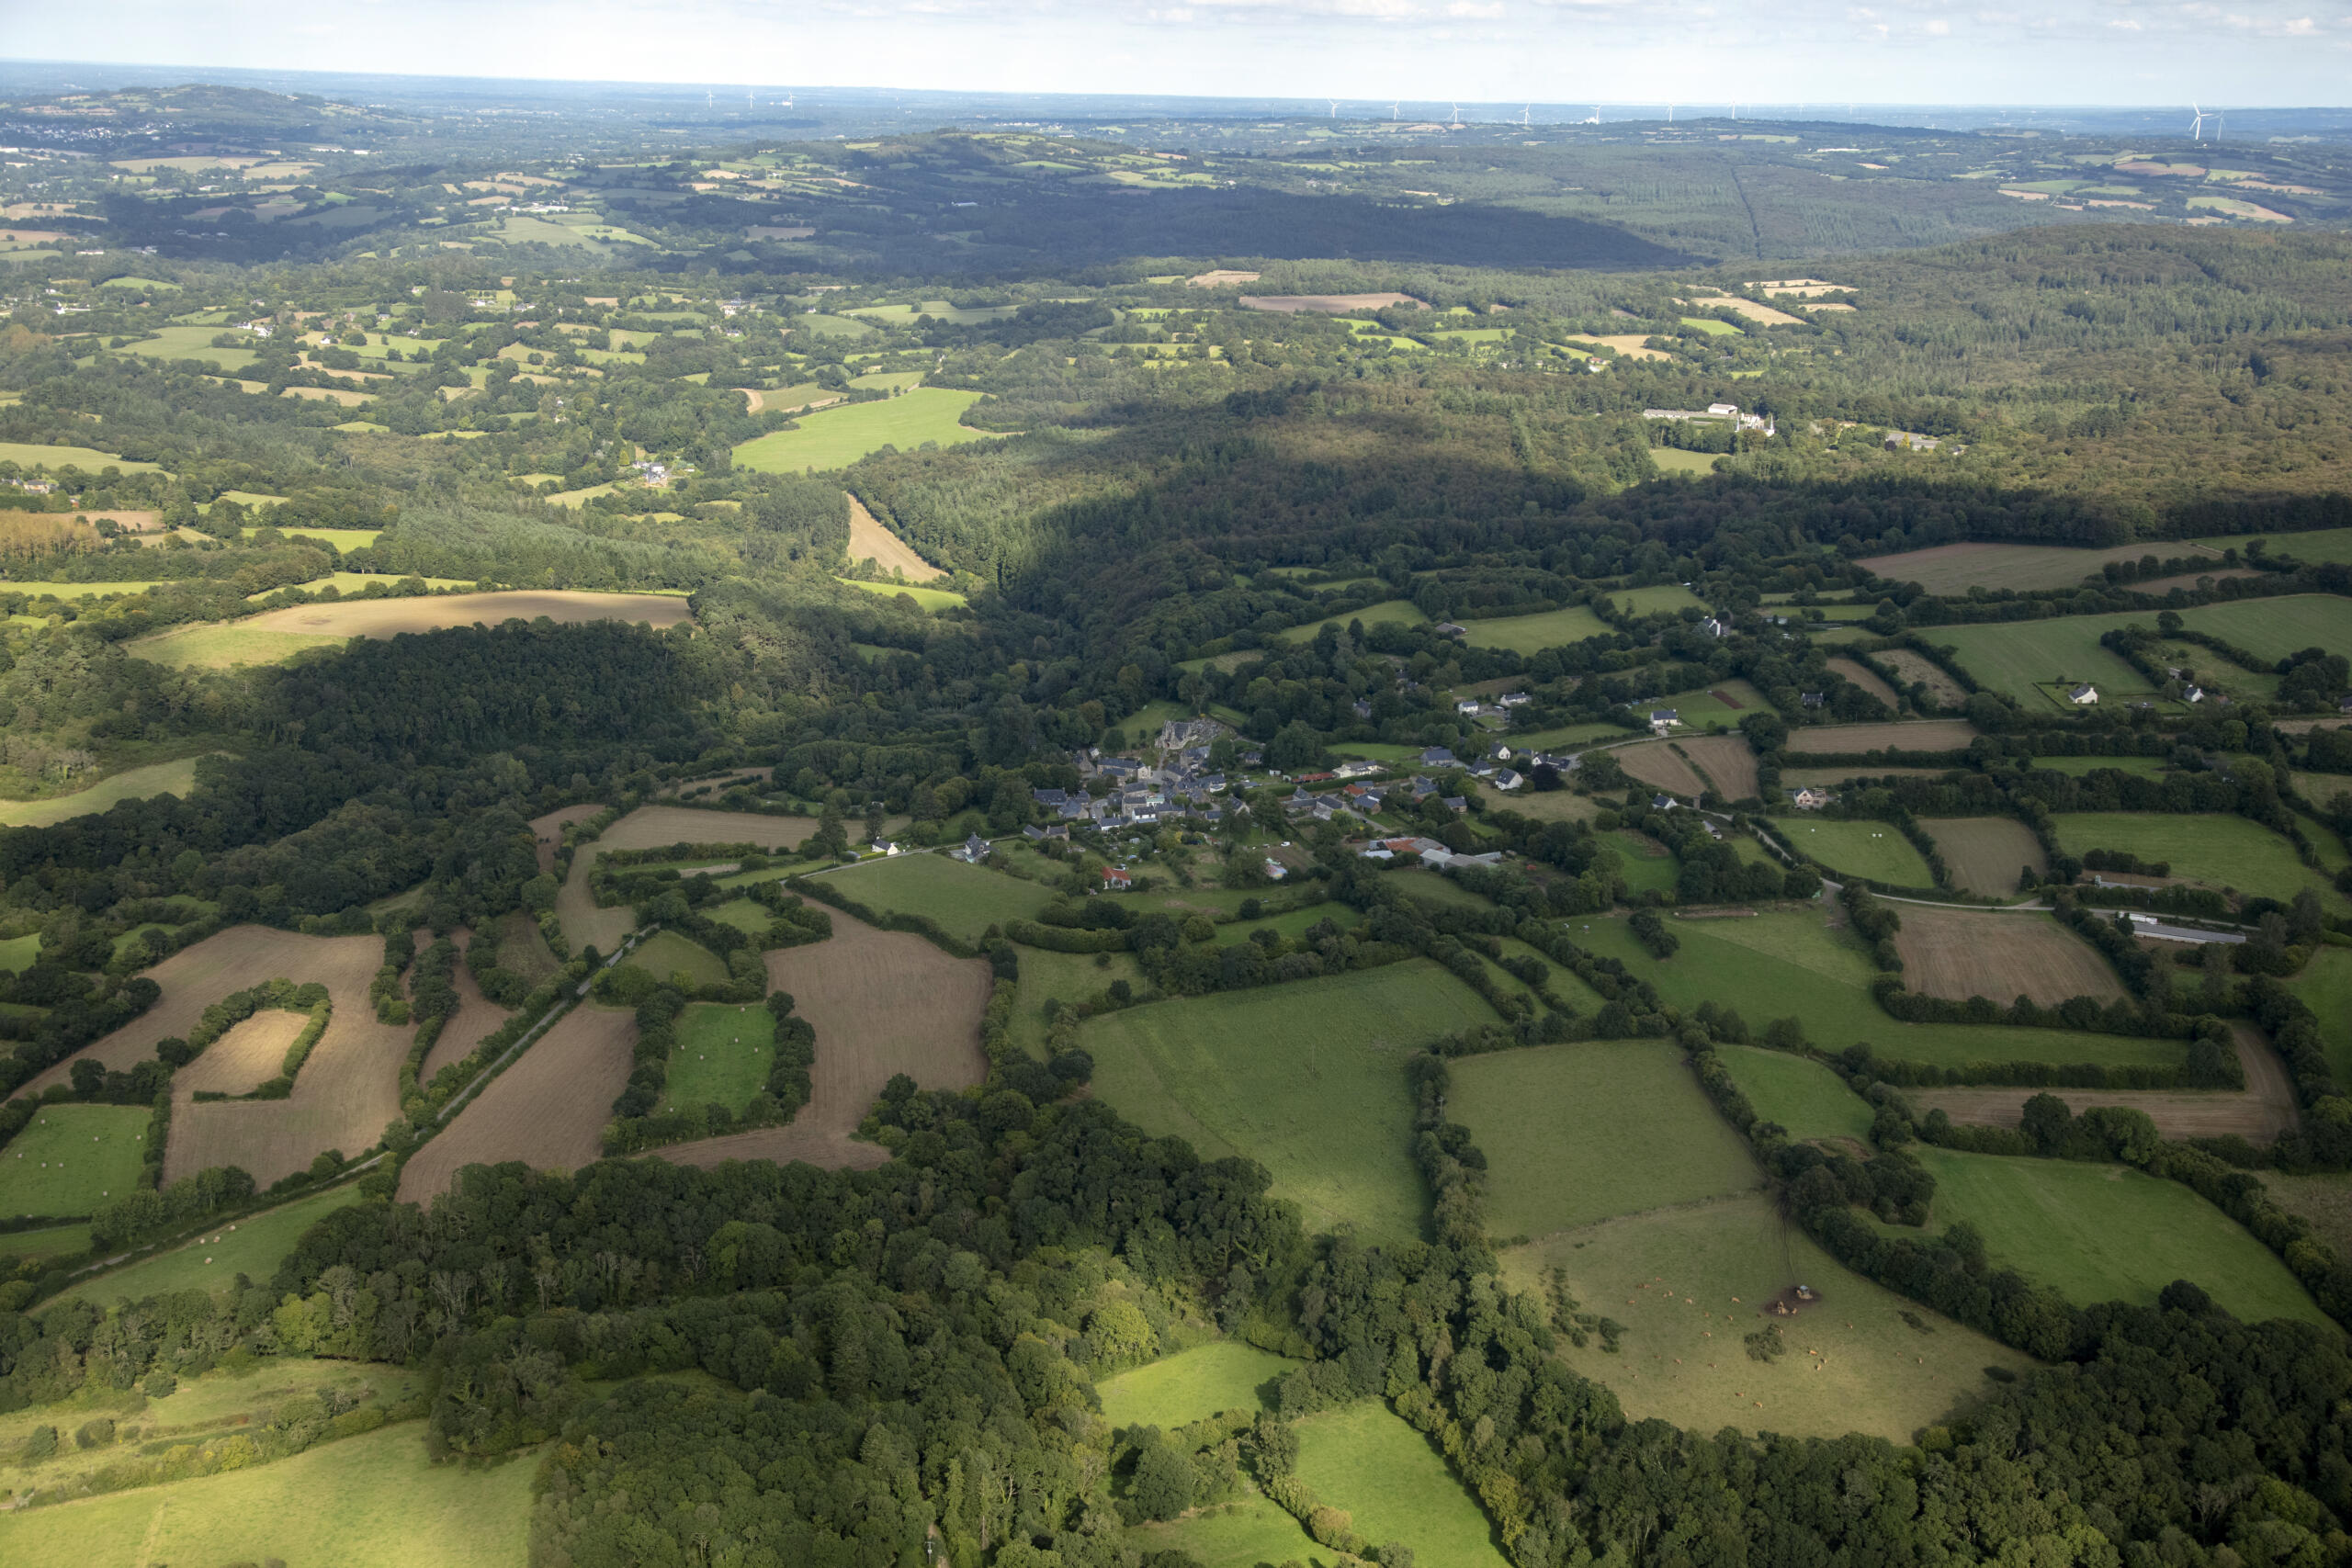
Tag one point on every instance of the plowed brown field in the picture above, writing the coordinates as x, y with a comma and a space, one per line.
547, 831
1655, 764
1728, 760
869, 540
2265, 1109
882, 1002
1957, 954
1853, 740
648, 827
390, 617
476, 1016
243, 1059
548, 1109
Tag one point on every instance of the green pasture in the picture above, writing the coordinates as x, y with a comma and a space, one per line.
1790, 965
1395, 1485
223, 645
343, 539
392, 1508
1307, 1078
2220, 852
1206, 1379
1711, 326
2318, 546
1574, 1133
1242, 1534
28, 455
965, 899
2097, 1232
1873, 850
132, 783
1435, 887
834, 438
17, 952
2082, 767
887, 381
722, 1058
1651, 600
2274, 628
50, 1241
1378, 752
666, 953
1674, 460
193, 343
2325, 985
2021, 659
1798, 1092
70, 1159
253, 1246
1646, 866
1572, 735
1702, 709
1403, 611
930, 600
1531, 634
1689, 1285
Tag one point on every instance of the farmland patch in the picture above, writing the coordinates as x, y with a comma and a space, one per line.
71, 1160
1957, 954
548, 1109
1985, 854
965, 899
1206, 1379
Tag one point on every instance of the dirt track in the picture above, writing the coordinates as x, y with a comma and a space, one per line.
390, 617
2265, 1109
883, 1002
548, 1109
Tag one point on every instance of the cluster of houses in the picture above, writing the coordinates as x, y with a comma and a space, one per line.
1716, 412
1431, 852
1501, 708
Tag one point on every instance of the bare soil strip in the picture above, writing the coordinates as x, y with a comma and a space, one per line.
2259, 1114
882, 1002
549, 1110
1957, 954
869, 540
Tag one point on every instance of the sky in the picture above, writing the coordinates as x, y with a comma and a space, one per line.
1367, 52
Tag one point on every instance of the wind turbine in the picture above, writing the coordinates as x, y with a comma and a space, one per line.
1335, 106
2197, 125
1522, 114
1595, 120
1392, 108
1670, 114
1457, 117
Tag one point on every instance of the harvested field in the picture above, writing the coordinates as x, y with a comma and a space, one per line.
1919, 670
476, 1016
869, 540
390, 617
1221, 277
1328, 304
243, 1059
882, 1002
547, 831
1657, 765
1957, 954
1630, 346
651, 827
347, 1090
1854, 739
2265, 1109
1955, 568
1728, 760
1868, 680
1831, 778
549, 1110
1985, 855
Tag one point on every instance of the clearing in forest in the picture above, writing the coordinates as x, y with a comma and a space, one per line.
1689, 1286
1985, 855
1306, 1078
1960, 953
834, 438
1395, 1484
549, 1108
1206, 1379
869, 540
1403, 611
131, 784
1574, 1133
882, 1003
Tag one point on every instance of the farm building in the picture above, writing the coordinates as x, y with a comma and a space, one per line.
1810, 799
1664, 719
1116, 879
2083, 695
974, 850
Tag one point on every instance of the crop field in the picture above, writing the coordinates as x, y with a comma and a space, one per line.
1857, 739
241, 1061
1574, 1133
2099, 1232
1689, 1285
1727, 759
253, 1246
390, 617
1402, 611
1798, 1092
965, 899
723, 1054
393, 1507
1957, 954
1955, 568
1307, 1078
2219, 852
1861, 848
1206, 1379
647, 828
1792, 965
549, 1108
1657, 765
132, 783
882, 1003
71, 1159
1650, 601
1532, 634
477, 1015
1395, 1484
1985, 854
1241, 1534
835, 438
1918, 669
869, 540
665, 953
1869, 679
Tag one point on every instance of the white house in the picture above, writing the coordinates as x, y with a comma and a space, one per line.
1664, 719
2083, 695
1810, 799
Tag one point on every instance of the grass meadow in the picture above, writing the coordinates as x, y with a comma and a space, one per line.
1395, 1484
392, 1509
2276, 627
723, 1054
1206, 1379
1234, 1535
2317, 546
930, 600
1798, 1092
1784, 965
1403, 611
1574, 1133
1650, 601
666, 953
1307, 1078
834, 438
224, 644
2099, 1232
1646, 866
1532, 634
2220, 852
1854, 1363
1872, 850
2020, 658
29, 455
1955, 568
52, 1241
2325, 985
17, 952
71, 1159
965, 899
1674, 460
253, 1246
